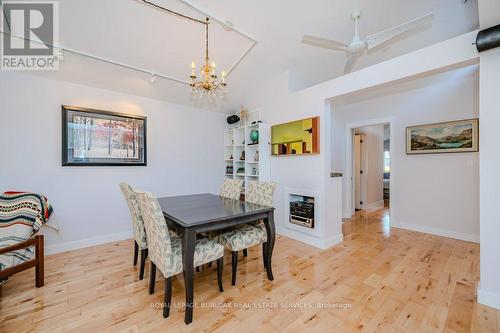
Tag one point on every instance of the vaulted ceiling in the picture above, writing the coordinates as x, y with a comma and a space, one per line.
129, 32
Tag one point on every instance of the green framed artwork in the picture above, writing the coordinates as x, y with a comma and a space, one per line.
447, 137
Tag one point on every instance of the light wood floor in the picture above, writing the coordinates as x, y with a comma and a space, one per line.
378, 279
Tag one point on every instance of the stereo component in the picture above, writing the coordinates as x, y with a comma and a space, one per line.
302, 213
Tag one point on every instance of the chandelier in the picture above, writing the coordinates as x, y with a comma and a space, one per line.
208, 82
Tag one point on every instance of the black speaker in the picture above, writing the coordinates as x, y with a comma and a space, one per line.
233, 119
488, 39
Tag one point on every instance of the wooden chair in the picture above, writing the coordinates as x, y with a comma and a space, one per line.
36, 262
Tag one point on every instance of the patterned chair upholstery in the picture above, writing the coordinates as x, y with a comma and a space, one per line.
140, 238
231, 188
241, 238
252, 234
260, 193
135, 214
22, 215
165, 251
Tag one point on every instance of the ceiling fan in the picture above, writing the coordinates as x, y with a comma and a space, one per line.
358, 46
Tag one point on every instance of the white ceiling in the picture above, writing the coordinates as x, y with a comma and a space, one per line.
127, 31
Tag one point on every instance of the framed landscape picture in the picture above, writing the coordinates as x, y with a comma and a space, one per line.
102, 138
448, 137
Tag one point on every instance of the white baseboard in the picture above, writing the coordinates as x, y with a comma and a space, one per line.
82, 243
328, 243
436, 231
308, 239
487, 298
374, 205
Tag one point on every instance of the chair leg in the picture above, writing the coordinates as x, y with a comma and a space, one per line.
168, 297
136, 252
39, 256
245, 253
220, 265
152, 277
144, 255
235, 264
264, 254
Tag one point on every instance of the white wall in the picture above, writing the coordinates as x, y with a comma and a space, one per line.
279, 105
374, 170
489, 290
431, 193
185, 155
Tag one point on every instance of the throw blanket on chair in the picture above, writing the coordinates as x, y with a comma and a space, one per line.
22, 214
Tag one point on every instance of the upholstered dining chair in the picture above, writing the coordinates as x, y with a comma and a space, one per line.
165, 252
248, 235
231, 188
140, 238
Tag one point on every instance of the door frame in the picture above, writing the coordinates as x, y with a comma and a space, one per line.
350, 127
362, 166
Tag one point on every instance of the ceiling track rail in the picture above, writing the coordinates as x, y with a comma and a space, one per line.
228, 26
139, 69
186, 17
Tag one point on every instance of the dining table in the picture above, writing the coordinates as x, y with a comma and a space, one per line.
197, 214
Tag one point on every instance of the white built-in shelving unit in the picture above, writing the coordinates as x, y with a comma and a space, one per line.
236, 141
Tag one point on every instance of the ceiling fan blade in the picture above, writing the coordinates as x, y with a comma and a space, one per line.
324, 43
379, 38
351, 61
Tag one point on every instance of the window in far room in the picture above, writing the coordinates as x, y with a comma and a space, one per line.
387, 161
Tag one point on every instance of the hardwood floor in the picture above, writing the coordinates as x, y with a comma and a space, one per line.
378, 279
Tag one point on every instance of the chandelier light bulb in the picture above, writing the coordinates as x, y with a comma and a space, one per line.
208, 83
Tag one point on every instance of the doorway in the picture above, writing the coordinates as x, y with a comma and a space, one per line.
368, 152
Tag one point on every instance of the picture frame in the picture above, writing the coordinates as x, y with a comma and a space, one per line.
459, 136
296, 138
93, 137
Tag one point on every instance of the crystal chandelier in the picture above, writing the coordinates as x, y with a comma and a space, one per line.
208, 82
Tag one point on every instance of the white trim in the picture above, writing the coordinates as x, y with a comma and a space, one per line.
225, 24
436, 231
487, 298
328, 243
349, 158
187, 3
374, 205
308, 239
203, 11
92, 241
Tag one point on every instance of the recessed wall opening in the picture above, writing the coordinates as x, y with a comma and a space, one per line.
301, 210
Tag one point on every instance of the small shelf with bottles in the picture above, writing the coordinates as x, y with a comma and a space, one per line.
245, 158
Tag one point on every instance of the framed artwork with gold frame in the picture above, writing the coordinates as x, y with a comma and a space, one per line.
300, 137
447, 137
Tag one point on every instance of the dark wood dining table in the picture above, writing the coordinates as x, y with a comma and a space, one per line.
200, 213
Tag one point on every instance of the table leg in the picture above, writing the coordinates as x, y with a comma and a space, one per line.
188, 244
271, 237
